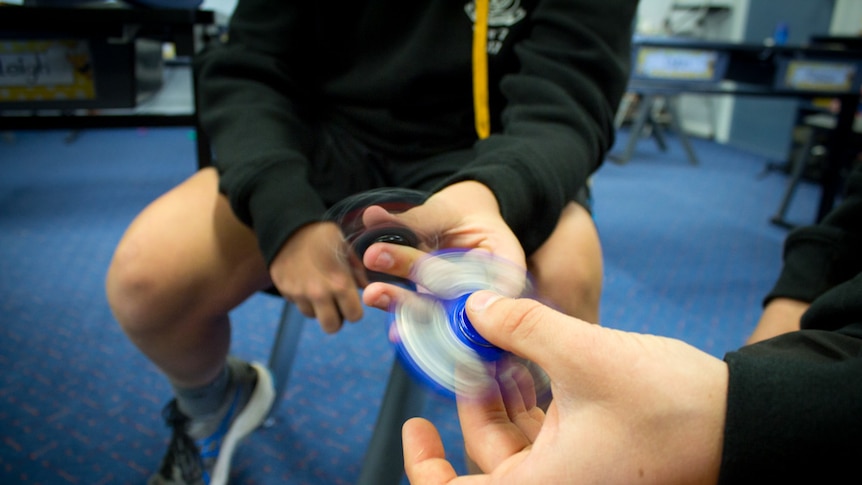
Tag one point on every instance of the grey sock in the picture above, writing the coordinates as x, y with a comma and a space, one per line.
202, 401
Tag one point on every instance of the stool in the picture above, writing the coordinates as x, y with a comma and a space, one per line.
402, 399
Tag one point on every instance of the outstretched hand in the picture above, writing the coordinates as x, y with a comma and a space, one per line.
627, 407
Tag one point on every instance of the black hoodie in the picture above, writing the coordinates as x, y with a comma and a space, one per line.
397, 75
794, 410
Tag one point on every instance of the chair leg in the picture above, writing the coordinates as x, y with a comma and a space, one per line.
403, 399
640, 122
676, 124
798, 168
283, 352
623, 110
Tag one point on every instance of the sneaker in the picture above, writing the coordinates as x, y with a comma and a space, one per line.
200, 451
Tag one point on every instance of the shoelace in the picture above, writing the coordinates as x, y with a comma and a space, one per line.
182, 450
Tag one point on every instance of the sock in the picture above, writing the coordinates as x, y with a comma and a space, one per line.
205, 400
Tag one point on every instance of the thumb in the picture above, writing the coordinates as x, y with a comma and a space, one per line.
533, 331
376, 215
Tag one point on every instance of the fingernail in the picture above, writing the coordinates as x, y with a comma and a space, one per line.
384, 261
481, 299
383, 301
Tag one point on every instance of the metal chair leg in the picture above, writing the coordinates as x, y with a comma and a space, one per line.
636, 131
402, 399
798, 168
676, 124
283, 353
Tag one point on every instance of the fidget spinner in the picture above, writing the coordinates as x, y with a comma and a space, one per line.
430, 329
433, 335
348, 215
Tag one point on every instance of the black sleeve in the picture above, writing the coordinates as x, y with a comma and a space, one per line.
818, 257
556, 126
249, 91
794, 404
558, 121
794, 410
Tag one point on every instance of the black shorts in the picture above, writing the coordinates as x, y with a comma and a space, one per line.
342, 166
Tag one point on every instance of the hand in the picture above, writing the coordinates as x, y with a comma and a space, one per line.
464, 215
319, 273
627, 408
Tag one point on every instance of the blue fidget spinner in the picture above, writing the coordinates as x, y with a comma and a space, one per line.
430, 329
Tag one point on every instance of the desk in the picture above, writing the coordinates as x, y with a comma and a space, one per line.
113, 34
803, 72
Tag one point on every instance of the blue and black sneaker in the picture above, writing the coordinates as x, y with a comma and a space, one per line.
201, 450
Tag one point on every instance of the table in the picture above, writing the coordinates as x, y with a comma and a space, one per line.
113, 36
666, 67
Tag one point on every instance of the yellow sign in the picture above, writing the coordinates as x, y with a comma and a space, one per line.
676, 63
820, 76
51, 70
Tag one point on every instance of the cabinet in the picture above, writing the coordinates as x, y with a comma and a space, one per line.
114, 62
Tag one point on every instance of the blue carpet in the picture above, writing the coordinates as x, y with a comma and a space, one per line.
689, 250
689, 253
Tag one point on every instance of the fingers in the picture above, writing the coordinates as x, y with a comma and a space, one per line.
499, 423
384, 295
330, 310
316, 270
519, 396
330, 299
424, 456
525, 327
419, 220
392, 259
377, 216
328, 317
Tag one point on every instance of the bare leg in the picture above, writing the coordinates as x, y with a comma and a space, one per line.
781, 315
568, 267
181, 266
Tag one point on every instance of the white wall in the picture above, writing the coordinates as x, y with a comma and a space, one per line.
651, 15
222, 6
846, 18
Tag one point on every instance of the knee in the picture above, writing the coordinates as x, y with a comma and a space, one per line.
568, 267
574, 289
134, 290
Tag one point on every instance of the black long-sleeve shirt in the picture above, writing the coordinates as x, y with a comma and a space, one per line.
397, 75
794, 410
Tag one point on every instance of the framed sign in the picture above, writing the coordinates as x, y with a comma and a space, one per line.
679, 64
46, 70
819, 76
